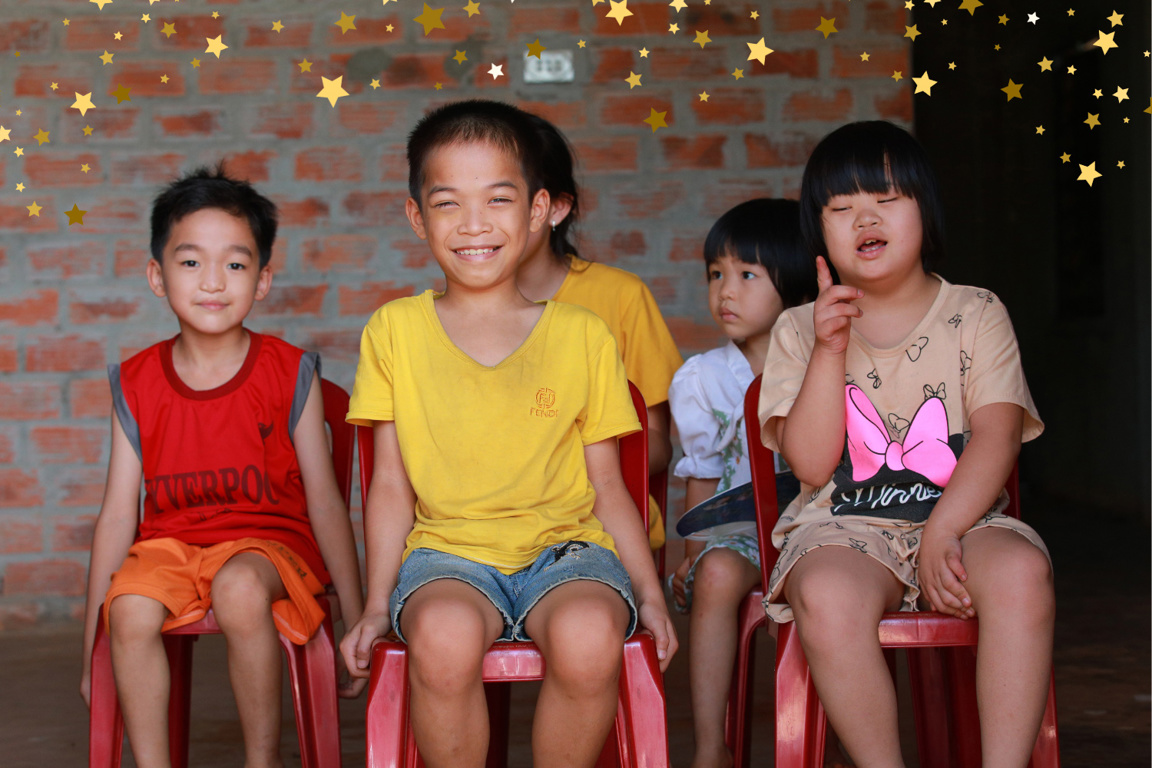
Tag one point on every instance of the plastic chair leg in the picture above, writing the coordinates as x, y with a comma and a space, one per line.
927, 671
1046, 753
499, 698
800, 721
642, 706
105, 723
738, 724
386, 720
314, 691
179, 650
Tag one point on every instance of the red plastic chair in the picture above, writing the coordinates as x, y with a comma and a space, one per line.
311, 667
941, 658
641, 729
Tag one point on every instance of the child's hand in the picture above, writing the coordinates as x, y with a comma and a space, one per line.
833, 311
86, 683
356, 647
347, 687
679, 578
942, 573
653, 616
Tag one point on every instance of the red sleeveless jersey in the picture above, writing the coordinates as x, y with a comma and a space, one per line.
219, 464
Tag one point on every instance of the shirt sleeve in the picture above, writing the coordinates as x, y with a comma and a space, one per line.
992, 371
123, 410
784, 370
372, 394
609, 411
698, 428
650, 354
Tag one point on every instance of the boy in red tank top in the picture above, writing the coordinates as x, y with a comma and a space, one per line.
241, 513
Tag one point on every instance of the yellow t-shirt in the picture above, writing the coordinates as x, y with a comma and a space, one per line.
495, 454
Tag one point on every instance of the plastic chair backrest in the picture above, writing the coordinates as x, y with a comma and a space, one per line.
633, 458
763, 467
343, 435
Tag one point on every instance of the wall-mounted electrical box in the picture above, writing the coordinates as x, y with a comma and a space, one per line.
550, 67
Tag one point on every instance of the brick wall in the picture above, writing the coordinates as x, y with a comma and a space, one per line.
73, 298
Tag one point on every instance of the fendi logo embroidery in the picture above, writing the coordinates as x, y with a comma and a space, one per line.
545, 399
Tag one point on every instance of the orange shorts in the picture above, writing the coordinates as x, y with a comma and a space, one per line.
180, 576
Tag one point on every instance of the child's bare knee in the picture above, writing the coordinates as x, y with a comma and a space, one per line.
1024, 588
135, 618
720, 571
240, 596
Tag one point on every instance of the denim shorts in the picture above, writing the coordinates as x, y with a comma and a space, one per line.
514, 595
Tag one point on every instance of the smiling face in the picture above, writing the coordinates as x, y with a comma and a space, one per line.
210, 272
742, 298
476, 213
873, 238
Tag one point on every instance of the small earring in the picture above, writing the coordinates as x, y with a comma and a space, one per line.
553, 226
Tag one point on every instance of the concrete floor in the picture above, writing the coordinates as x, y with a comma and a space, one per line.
1102, 668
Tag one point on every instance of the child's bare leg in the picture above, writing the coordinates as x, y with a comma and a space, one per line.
838, 596
143, 681
449, 625
243, 591
579, 627
723, 577
1010, 582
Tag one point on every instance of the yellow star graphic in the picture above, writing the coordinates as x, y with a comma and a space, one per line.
83, 103
100, 3
106, 58
75, 216
168, 30
1117, 19
755, 14
1071, 70
460, 57
535, 49
346, 23
864, 56
430, 19
438, 86
1121, 94
332, 90
19, 151
737, 73
758, 51
679, 5
34, 210
643, 53
1149, 110
1004, 19
1097, 93
472, 8
277, 26
195, 63
1088, 173
703, 95
997, 46
374, 84
215, 14
388, 28
1065, 157
215, 45
619, 12
67, 22
164, 79
1013, 90
656, 120
305, 66
1106, 43
122, 93
118, 36
1092, 121
702, 38
970, 6
908, 5
897, 75
1120, 164
924, 83
943, 22
951, 65
633, 80
41, 137
84, 168
87, 130
6, 133
1040, 130
581, 43
145, 18
1045, 64
827, 26
1071, 12
911, 32
673, 28
20, 186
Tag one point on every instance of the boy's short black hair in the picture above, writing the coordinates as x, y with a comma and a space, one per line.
558, 166
212, 188
872, 156
767, 232
475, 120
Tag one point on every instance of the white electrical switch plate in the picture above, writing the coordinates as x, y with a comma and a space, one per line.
550, 67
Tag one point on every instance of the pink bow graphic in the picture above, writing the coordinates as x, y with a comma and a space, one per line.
924, 450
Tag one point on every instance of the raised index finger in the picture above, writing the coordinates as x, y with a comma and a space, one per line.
823, 275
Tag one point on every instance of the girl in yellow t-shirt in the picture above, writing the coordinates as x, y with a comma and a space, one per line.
552, 269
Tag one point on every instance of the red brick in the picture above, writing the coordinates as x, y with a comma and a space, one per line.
237, 76
36, 79
393, 163
97, 33
807, 17
68, 445
119, 215
85, 258
613, 64
21, 401
693, 336
311, 82
420, 70
96, 310
89, 398
646, 18
881, 62
33, 308
63, 170
458, 27
8, 356
721, 20
632, 109
309, 212
687, 249
60, 354
14, 217
705, 151
130, 258
120, 123
717, 197
569, 114
141, 340
294, 300
366, 298
297, 33
14, 616
611, 154
804, 62
8, 437
780, 150
20, 488
528, 22
143, 78
896, 107
369, 209
730, 106
337, 345
885, 17
191, 33
251, 165
481, 78
416, 253
618, 244
328, 164
368, 31
46, 577
681, 65
805, 106
197, 122
284, 120
152, 168
72, 533
339, 253
370, 118
20, 534
25, 35
647, 199
80, 487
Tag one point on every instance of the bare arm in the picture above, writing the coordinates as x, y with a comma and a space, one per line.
114, 534
616, 512
326, 511
698, 490
659, 441
388, 519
